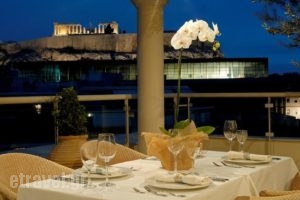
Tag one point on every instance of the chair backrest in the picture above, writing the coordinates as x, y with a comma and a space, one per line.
293, 196
123, 153
19, 168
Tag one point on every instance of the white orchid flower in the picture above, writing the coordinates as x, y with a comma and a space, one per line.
185, 28
193, 30
200, 25
206, 35
183, 38
179, 41
211, 35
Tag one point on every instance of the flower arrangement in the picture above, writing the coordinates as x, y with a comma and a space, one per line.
182, 39
157, 143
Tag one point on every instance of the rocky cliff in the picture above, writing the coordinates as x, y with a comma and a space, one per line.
90, 47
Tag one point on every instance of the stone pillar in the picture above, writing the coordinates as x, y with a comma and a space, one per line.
150, 67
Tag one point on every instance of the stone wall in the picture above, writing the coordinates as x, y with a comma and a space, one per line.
92, 47
105, 42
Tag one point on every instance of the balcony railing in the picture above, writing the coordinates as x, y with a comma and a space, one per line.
202, 107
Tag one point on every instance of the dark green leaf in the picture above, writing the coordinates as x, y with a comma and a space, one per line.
182, 124
206, 129
163, 130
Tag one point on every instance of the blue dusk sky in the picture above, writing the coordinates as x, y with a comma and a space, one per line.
242, 32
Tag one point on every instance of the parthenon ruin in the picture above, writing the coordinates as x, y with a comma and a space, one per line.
78, 29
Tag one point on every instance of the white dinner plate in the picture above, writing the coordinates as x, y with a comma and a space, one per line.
117, 172
240, 161
175, 186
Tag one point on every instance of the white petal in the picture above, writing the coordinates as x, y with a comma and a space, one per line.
201, 25
216, 29
179, 41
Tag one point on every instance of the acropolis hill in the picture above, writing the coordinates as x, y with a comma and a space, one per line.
89, 47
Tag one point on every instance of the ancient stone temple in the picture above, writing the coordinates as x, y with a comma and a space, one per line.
77, 29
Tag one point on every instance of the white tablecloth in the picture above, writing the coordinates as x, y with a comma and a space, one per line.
242, 181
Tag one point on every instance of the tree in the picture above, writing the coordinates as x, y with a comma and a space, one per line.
282, 17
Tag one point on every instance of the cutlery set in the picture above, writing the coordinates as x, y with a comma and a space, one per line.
74, 179
156, 192
232, 165
219, 179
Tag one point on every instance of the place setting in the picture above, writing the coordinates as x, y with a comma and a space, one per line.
104, 150
240, 158
174, 179
99, 172
246, 158
178, 181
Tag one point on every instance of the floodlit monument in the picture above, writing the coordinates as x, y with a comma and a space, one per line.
63, 29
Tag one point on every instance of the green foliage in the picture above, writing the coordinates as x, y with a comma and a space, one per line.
206, 129
184, 123
281, 17
70, 115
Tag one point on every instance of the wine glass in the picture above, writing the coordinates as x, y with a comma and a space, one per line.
242, 136
193, 149
175, 146
106, 151
230, 127
88, 158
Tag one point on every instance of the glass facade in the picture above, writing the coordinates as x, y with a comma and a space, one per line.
192, 69
218, 69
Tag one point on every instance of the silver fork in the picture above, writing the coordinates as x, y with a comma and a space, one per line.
230, 165
163, 193
216, 164
154, 191
138, 190
176, 195
237, 166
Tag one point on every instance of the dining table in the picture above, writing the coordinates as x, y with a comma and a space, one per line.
226, 180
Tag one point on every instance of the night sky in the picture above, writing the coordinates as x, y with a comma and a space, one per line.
242, 32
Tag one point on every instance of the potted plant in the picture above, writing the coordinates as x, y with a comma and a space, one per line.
71, 131
70, 115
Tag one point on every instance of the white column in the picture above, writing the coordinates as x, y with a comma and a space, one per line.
150, 67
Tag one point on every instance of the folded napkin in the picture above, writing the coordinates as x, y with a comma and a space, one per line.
195, 179
179, 178
169, 178
110, 170
101, 170
85, 170
234, 155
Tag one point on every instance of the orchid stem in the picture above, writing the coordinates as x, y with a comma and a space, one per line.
177, 103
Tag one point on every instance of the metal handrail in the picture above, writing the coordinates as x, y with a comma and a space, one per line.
108, 97
127, 97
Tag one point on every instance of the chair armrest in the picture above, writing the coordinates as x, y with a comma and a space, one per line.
271, 193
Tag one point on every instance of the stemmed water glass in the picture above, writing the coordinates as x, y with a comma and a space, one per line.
230, 128
242, 136
88, 158
193, 149
106, 151
175, 146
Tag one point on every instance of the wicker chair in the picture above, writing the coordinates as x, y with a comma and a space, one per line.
292, 194
23, 168
123, 153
